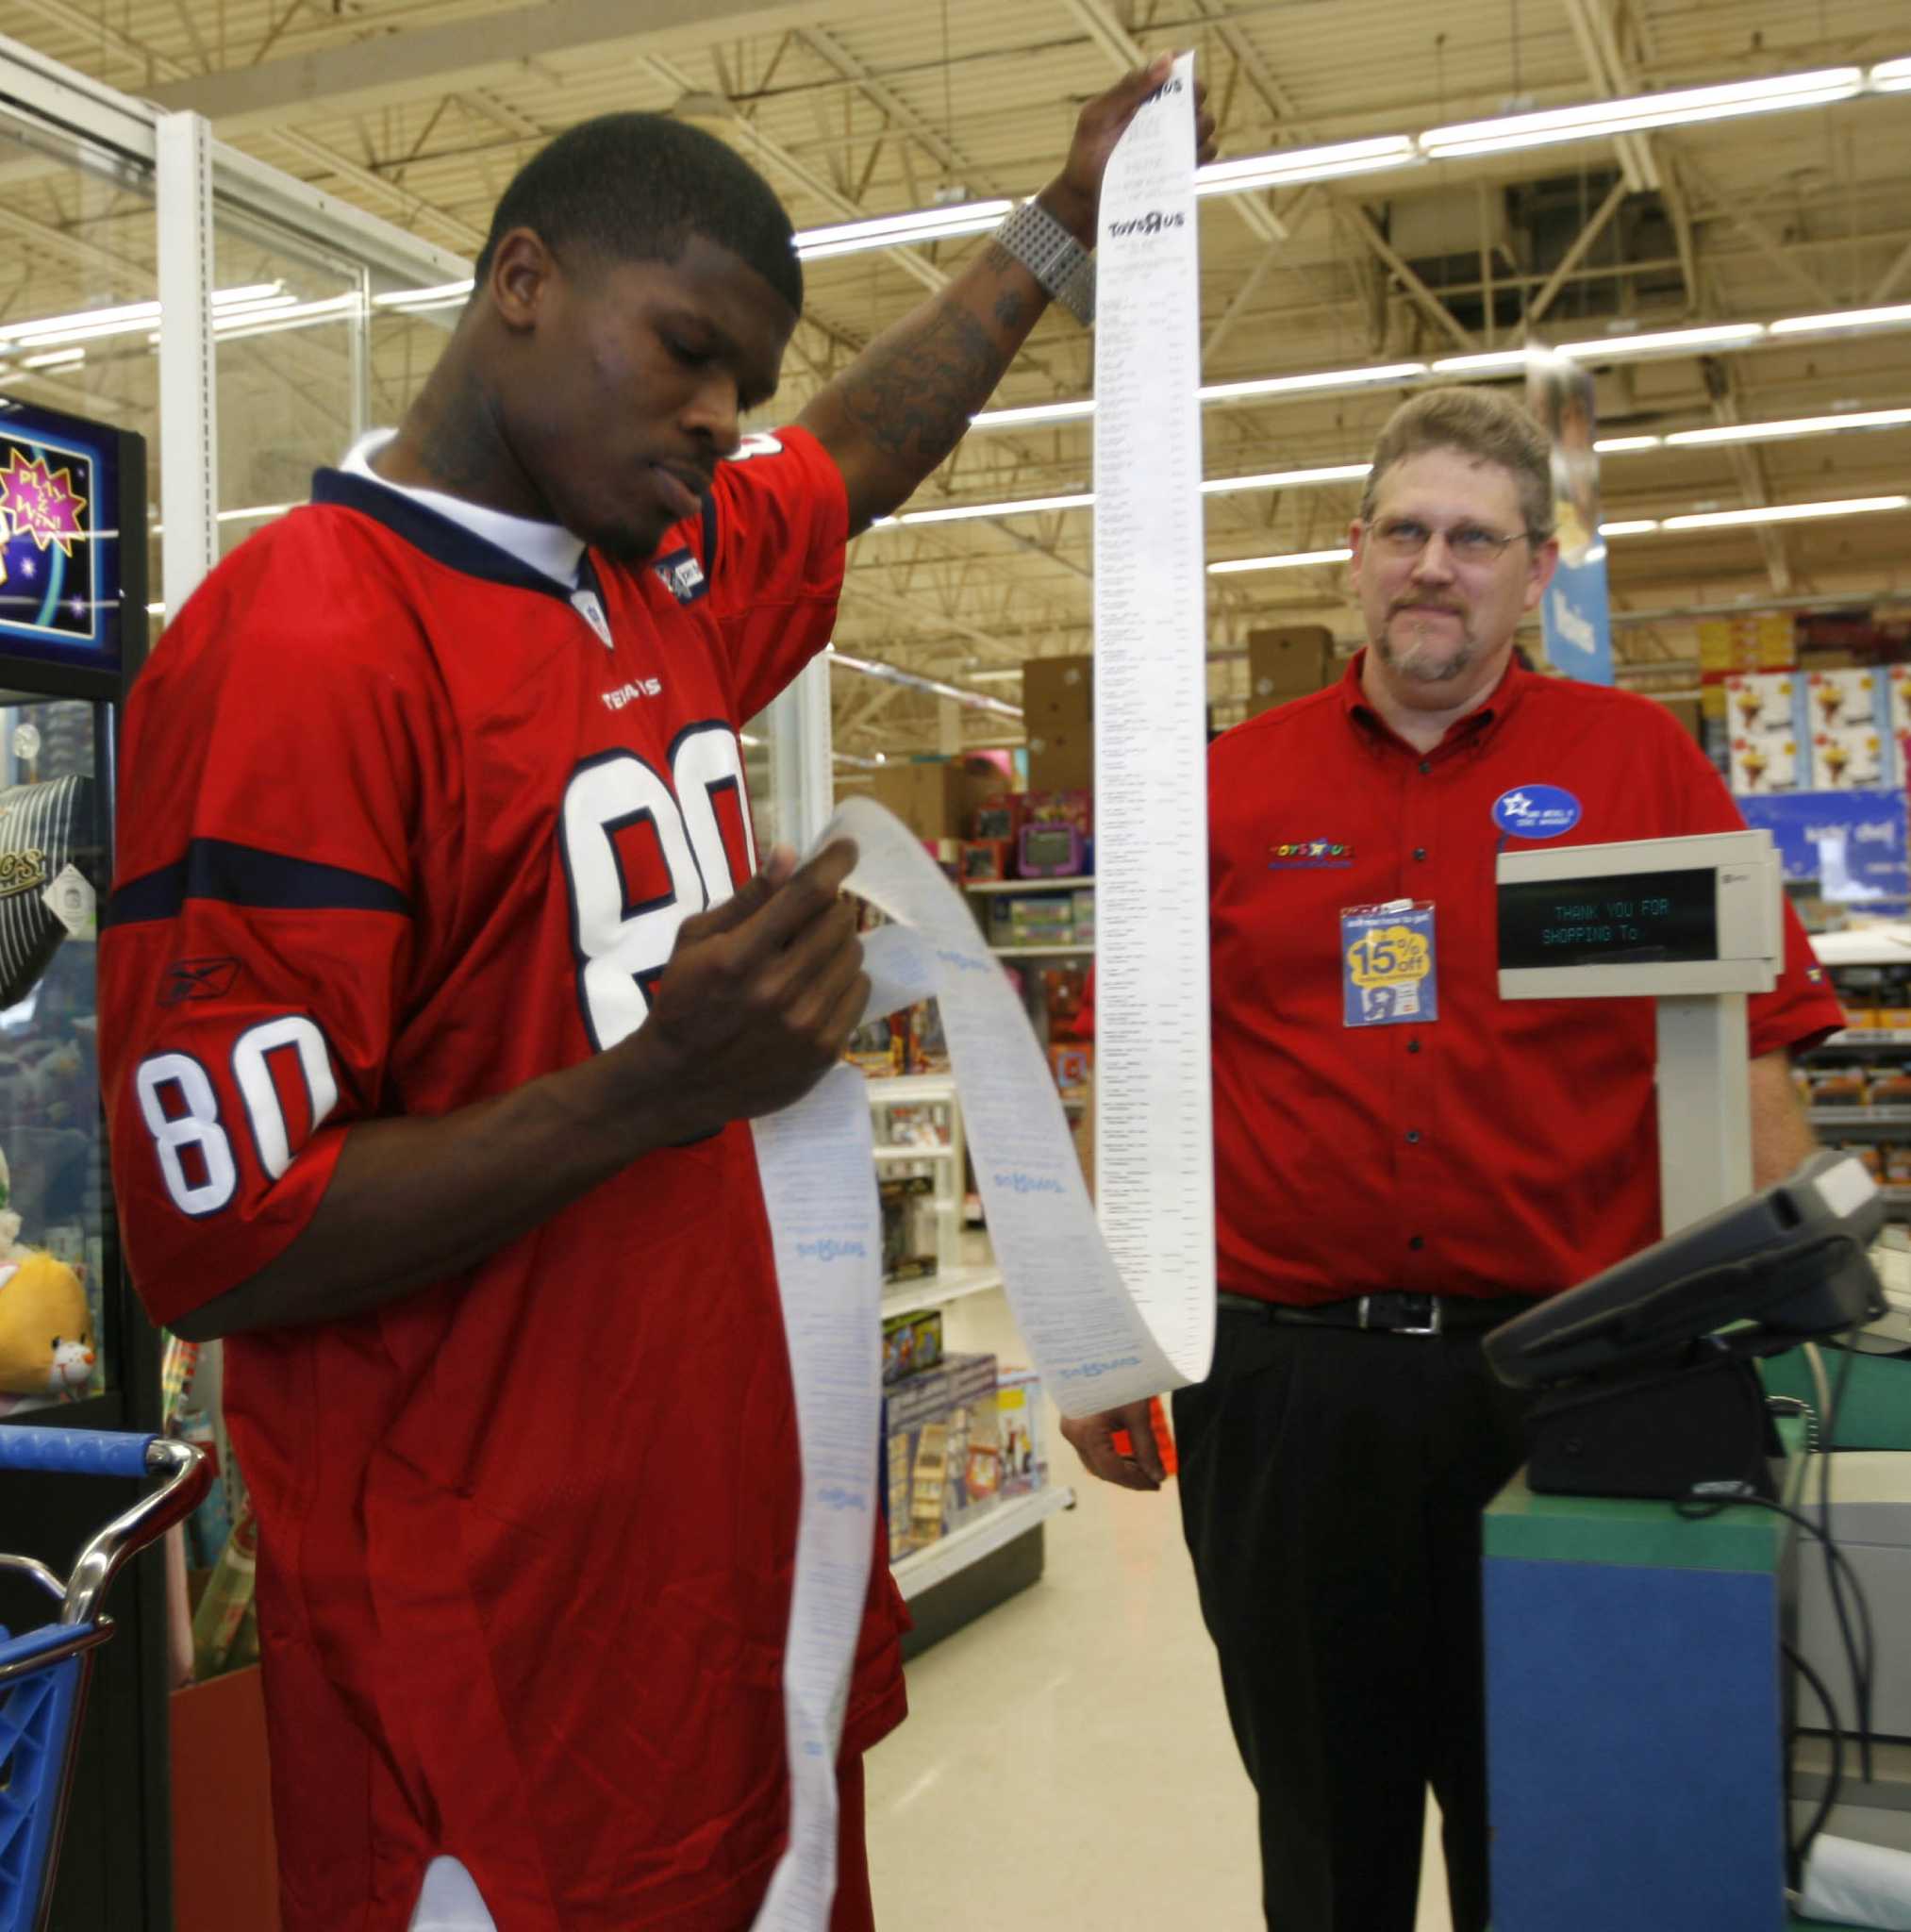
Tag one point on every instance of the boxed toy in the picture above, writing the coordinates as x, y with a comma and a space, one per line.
941, 1452
908, 1230
911, 1343
1018, 1409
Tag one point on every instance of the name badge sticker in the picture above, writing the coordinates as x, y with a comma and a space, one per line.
1387, 964
1537, 812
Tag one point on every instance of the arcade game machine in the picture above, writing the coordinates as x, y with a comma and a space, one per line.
74, 1348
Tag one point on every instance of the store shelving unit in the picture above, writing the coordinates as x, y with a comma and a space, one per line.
1885, 944
985, 1561
986, 887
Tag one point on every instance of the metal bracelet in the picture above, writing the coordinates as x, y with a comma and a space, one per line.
1053, 257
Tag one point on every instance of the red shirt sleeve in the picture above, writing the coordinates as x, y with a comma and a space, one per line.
774, 544
1802, 1009
261, 923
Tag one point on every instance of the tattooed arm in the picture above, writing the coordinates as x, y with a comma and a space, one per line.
902, 405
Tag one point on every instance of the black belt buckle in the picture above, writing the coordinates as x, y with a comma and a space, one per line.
1374, 1308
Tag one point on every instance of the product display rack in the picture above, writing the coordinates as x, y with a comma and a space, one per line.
1888, 944
968, 1572
985, 887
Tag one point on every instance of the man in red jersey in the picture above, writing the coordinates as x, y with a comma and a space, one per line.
1403, 1163
441, 985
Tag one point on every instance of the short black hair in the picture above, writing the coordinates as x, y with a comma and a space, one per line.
637, 186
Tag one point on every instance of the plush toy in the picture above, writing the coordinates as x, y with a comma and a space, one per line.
46, 1339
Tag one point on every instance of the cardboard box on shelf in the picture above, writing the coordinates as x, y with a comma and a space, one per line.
1058, 694
1061, 760
1287, 663
935, 797
1691, 714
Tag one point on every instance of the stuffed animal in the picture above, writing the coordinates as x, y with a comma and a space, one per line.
46, 1339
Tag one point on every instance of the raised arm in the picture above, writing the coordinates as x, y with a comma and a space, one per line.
903, 405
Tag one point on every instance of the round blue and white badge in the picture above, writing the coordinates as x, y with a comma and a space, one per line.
1537, 812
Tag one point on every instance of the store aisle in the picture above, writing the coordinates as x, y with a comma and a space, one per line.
1066, 1761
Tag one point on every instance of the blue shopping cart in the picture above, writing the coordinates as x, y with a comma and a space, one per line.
45, 1672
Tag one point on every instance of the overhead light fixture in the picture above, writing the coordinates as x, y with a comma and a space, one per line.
1027, 506
1798, 426
1784, 513
1035, 413
1890, 76
1618, 446
1284, 166
1487, 362
1678, 106
1293, 561
126, 318
899, 231
53, 359
1897, 315
890, 674
1286, 480
442, 295
1664, 342
1629, 526
1357, 378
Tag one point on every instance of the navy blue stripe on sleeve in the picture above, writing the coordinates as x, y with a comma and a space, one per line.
248, 875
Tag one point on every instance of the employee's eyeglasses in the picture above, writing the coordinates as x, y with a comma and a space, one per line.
1406, 537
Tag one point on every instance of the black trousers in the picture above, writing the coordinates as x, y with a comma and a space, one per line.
1331, 1488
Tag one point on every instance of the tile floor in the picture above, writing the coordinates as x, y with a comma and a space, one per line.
1067, 1762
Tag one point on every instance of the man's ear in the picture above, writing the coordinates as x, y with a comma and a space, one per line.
1545, 561
522, 272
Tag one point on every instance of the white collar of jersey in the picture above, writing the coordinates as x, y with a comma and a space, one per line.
549, 549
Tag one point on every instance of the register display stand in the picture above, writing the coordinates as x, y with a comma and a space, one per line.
1635, 1688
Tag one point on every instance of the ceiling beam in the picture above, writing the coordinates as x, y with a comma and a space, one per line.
1429, 304
1594, 228
759, 148
348, 76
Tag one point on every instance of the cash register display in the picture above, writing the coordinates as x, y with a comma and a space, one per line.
1641, 918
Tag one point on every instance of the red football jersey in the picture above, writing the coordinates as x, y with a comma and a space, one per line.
401, 830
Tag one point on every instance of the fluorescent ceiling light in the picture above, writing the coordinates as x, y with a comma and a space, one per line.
1618, 446
440, 296
1595, 120
1295, 164
899, 231
53, 359
1672, 341
1890, 76
888, 673
1319, 380
1485, 363
1026, 505
1286, 480
1293, 561
1035, 412
1629, 526
1002, 677
1897, 316
1785, 512
1798, 426
127, 318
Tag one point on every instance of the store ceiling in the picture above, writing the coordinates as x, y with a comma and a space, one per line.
420, 113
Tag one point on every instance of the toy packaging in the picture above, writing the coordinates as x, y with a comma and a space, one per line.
911, 1343
1018, 1410
908, 1226
942, 1450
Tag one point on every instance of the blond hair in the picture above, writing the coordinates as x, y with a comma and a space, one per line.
1478, 423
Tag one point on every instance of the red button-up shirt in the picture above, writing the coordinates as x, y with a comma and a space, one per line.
1509, 1146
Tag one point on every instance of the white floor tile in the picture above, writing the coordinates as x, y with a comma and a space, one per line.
1067, 1762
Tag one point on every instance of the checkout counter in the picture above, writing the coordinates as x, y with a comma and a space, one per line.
1639, 1602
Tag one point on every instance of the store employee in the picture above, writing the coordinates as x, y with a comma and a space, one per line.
1404, 1160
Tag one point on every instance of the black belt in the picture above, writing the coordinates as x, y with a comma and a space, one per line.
1390, 1312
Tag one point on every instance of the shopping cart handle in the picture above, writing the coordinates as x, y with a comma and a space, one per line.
74, 1452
